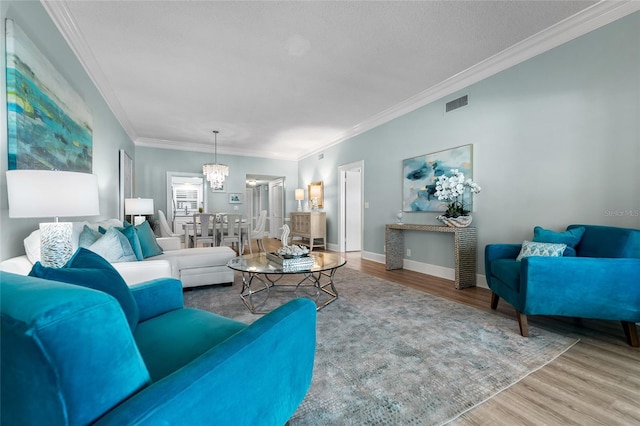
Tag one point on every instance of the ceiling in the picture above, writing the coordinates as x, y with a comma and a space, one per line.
283, 79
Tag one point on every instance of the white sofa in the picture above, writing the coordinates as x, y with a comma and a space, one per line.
193, 266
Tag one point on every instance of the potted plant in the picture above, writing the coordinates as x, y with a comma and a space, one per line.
452, 189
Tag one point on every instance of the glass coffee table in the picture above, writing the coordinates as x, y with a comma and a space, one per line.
261, 276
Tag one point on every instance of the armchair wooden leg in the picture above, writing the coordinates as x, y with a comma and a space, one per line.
631, 333
522, 322
494, 301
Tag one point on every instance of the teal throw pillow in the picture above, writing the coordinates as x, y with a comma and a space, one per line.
571, 238
132, 236
90, 270
148, 242
114, 247
530, 248
88, 236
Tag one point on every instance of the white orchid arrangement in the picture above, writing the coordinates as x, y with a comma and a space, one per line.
451, 189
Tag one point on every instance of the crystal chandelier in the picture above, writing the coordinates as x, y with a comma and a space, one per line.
215, 173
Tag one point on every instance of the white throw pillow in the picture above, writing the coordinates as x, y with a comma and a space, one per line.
32, 246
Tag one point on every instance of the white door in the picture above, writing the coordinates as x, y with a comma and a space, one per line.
276, 208
350, 203
353, 211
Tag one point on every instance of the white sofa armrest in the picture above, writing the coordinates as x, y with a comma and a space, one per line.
17, 265
169, 243
138, 272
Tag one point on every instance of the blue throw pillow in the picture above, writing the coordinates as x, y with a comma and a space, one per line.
148, 241
114, 247
571, 238
132, 236
88, 269
88, 236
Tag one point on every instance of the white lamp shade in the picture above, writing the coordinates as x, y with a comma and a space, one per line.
138, 206
314, 192
299, 194
50, 193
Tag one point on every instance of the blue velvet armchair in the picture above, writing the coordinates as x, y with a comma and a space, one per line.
70, 356
599, 279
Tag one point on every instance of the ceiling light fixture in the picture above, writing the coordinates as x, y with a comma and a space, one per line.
215, 173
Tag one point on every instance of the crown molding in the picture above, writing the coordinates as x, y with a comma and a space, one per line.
207, 148
585, 21
589, 19
66, 24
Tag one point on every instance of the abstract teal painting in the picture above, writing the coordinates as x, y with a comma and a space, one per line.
421, 173
49, 125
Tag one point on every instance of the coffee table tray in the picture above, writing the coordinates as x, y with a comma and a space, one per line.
294, 263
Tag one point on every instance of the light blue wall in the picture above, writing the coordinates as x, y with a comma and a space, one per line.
152, 165
108, 135
556, 141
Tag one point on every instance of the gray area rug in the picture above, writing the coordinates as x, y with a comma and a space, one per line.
391, 355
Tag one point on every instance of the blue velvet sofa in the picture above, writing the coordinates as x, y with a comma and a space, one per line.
71, 355
597, 277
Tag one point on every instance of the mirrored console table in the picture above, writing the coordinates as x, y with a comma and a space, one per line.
465, 242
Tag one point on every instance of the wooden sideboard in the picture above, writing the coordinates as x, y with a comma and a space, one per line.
464, 249
310, 226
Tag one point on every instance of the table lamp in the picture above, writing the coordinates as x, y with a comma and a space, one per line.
138, 207
314, 196
52, 193
299, 195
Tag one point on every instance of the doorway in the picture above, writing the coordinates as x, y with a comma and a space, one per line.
185, 195
350, 207
266, 193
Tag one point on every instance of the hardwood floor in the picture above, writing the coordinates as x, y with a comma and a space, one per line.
596, 382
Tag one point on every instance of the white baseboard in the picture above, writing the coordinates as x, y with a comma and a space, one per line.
332, 247
425, 268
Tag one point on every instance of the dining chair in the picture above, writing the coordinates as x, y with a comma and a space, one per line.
231, 232
204, 232
165, 229
257, 233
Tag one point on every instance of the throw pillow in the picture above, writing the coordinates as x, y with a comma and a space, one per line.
148, 241
530, 248
32, 246
88, 236
88, 269
130, 232
114, 247
571, 238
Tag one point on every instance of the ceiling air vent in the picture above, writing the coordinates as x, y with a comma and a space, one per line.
457, 103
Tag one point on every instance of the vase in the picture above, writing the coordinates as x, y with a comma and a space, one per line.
456, 222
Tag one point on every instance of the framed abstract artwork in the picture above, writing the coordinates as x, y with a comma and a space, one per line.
49, 125
419, 176
235, 198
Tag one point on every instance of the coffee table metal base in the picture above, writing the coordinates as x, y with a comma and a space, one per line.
320, 281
